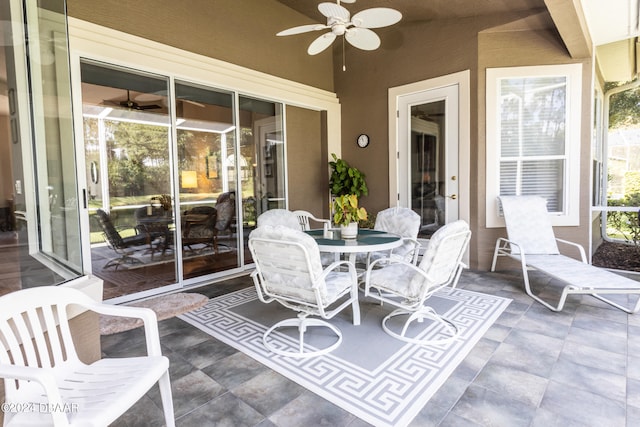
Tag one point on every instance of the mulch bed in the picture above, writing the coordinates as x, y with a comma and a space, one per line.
618, 256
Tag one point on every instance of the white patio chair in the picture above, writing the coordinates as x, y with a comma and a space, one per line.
409, 287
279, 217
42, 369
531, 242
296, 220
403, 222
288, 270
306, 218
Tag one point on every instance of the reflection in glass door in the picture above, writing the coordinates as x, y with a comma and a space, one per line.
430, 185
207, 180
262, 147
427, 171
153, 201
127, 165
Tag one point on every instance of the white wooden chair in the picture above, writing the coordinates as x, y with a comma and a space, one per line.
408, 286
289, 271
532, 243
42, 369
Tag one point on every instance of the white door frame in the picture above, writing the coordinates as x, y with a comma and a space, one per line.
462, 80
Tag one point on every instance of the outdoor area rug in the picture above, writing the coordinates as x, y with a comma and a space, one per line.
379, 379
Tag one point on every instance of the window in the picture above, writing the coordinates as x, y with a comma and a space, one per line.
533, 138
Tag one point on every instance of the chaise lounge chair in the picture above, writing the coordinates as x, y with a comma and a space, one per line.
531, 242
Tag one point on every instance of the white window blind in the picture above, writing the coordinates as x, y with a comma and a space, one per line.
533, 113
531, 133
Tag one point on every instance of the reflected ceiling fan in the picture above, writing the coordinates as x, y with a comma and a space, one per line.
356, 29
132, 105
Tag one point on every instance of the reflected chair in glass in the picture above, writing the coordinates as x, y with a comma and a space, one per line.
198, 229
408, 286
203, 225
225, 217
289, 271
40, 366
125, 247
154, 222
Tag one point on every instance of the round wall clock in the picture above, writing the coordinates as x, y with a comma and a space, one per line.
363, 140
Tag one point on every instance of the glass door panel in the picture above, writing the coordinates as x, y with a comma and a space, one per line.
207, 179
427, 171
429, 182
128, 173
263, 158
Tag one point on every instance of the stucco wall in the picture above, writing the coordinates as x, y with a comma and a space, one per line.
307, 165
241, 33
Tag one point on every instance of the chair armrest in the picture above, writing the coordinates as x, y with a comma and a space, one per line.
415, 268
416, 249
334, 265
583, 255
337, 264
148, 317
31, 373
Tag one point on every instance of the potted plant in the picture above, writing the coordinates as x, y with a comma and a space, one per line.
346, 179
347, 184
347, 214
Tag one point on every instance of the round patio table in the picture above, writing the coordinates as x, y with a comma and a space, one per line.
366, 241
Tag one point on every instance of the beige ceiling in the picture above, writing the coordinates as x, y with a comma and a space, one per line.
424, 10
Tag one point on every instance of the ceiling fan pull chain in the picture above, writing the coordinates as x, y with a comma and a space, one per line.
344, 62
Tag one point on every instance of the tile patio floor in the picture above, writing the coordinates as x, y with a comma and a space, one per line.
533, 368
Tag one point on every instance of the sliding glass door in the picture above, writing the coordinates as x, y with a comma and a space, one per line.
176, 174
127, 138
206, 131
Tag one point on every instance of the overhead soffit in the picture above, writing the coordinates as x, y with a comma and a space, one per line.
423, 10
614, 26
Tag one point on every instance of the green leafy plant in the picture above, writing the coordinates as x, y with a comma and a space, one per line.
346, 210
346, 179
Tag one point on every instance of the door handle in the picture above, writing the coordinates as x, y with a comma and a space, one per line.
453, 196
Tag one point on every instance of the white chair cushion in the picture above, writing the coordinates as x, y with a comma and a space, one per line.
396, 278
289, 281
434, 242
397, 220
529, 225
403, 280
279, 217
438, 272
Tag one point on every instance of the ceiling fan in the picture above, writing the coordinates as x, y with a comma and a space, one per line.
356, 29
132, 105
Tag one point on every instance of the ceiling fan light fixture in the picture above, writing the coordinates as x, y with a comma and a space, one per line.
355, 30
338, 29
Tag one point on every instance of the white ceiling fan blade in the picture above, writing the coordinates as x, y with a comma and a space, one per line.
301, 29
321, 43
376, 17
333, 10
347, 1
363, 38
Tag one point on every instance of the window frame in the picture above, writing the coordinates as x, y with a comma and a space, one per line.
570, 214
